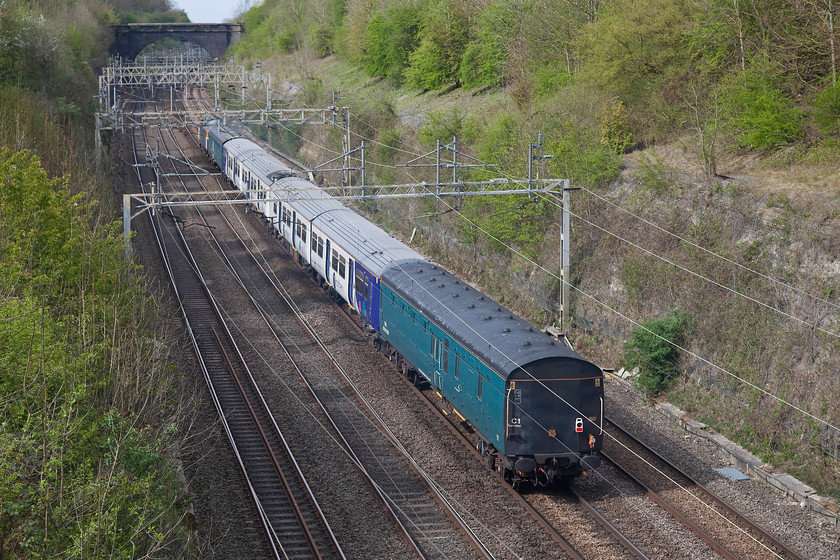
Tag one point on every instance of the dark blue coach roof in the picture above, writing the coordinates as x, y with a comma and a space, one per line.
497, 336
217, 131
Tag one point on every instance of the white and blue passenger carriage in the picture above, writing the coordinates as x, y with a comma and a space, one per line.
536, 405
251, 169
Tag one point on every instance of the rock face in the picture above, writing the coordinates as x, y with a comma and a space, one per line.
830, 441
755, 268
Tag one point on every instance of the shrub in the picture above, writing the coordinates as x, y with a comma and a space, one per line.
580, 155
445, 125
613, 127
548, 80
389, 39
827, 109
443, 39
485, 58
323, 37
763, 116
653, 349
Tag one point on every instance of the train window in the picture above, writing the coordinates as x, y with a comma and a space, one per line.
321, 247
334, 264
446, 355
342, 267
436, 350
480, 383
276, 209
457, 365
301, 231
360, 282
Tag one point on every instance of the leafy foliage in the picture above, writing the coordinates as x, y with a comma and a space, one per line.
486, 57
633, 48
827, 109
580, 155
81, 473
763, 116
653, 349
389, 39
445, 126
443, 38
78, 478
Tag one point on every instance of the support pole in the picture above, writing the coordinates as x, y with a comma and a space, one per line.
363, 168
454, 159
127, 224
346, 142
98, 140
437, 163
216, 95
565, 258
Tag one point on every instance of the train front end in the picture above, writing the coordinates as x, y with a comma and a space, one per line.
554, 410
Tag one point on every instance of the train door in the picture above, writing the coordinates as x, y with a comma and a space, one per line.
362, 293
327, 260
338, 274
351, 267
439, 358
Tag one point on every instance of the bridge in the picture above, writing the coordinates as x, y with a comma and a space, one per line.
215, 38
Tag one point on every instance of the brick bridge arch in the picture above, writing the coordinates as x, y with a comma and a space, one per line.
215, 38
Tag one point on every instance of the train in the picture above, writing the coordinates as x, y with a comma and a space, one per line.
535, 405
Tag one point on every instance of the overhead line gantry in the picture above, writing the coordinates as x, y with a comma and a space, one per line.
179, 73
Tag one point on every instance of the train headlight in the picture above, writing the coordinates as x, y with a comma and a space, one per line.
579, 425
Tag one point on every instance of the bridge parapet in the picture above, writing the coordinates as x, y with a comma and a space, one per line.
215, 38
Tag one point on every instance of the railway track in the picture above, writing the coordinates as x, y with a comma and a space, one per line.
728, 532
339, 400
551, 511
424, 515
291, 519
619, 541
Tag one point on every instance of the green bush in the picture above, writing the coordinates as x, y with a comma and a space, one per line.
445, 125
548, 80
443, 39
485, 58
288, 40
510, 220
80, 476
389, 39
323, 37
580, 155
653, 349
827, 109
763, 116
